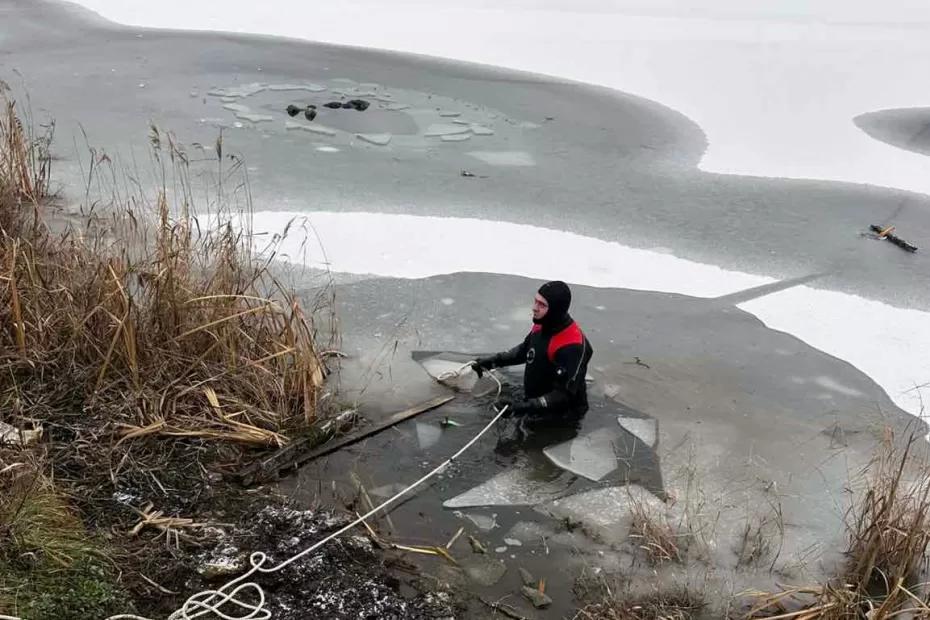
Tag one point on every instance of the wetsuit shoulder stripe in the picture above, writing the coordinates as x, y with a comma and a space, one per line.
567, 337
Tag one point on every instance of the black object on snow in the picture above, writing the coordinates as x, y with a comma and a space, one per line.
898, 241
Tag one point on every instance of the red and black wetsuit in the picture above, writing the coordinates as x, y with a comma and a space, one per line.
556, 359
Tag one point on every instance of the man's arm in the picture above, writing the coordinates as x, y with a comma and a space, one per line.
514, 356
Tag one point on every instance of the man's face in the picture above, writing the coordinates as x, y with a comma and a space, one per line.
540, 307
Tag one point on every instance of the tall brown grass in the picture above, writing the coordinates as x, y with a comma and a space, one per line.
140, 322
888, 532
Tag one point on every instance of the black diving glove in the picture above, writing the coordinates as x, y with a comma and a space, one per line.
481, 365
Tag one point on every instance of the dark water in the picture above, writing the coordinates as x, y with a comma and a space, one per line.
395, 456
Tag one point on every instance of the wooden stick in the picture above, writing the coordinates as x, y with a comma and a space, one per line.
292, 456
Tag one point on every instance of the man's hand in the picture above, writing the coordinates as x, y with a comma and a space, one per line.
481, 365
517, 407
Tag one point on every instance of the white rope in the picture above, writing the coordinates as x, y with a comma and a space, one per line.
212, 601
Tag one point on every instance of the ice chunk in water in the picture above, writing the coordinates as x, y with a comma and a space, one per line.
446, 129
397, 107
379, 139
456, 138
643, 429
504, 158
428, 435
317, 129
481, 130
482, 522
592, 456
388, 490
246, 90
254, 118
607, 510
313, 88
449, 113
448, 369
514, 487
484, 570
237, 107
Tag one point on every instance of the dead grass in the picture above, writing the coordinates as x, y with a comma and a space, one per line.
654, 535
888, 535
152, 347
617, 603
36, 524
146, 324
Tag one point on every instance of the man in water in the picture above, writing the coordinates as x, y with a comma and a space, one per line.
556, 353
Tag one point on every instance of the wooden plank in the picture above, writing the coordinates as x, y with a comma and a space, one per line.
295, 454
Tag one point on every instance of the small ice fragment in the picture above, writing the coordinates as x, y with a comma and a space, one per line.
254, 118
317, 129
592, 456
379, 139
237, 107
427, 435
313, 88
504, 158
445, 129
643, 429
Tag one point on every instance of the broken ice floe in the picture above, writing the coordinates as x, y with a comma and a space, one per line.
427, 435
254, 118
445, 129
592, 456
448, 368
236, 107
607, 510
482, 522
313, 88
514, 487
503, 158
317, 129
387, 490
246, 90
378, 139
461, 137
645, 430
484, 570
397, 107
